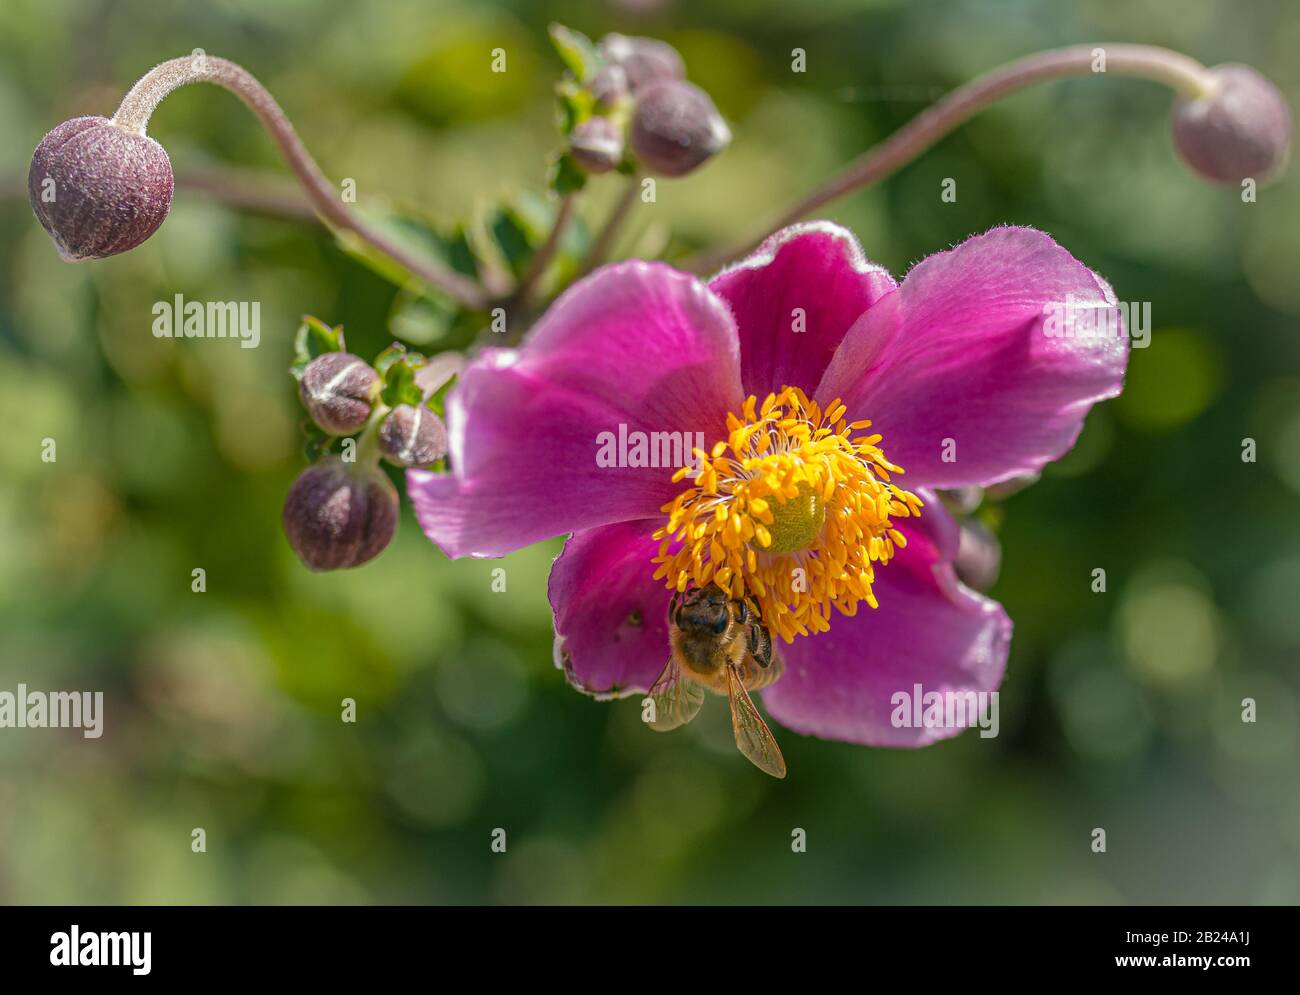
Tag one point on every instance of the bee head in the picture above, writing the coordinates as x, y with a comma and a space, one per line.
703, 609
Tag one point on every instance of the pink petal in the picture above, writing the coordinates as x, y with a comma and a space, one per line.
929, 630
636, 344
961, 352
815, 269
611, 618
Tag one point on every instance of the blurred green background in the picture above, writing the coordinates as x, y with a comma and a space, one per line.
1120, 710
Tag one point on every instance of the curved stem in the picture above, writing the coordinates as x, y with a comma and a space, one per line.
368, 439
1175, 70
605, 240
138, 105
520, 297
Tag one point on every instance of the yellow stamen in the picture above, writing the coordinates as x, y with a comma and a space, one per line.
793, 508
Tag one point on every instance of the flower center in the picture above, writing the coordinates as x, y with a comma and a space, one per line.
795, 524
794, 509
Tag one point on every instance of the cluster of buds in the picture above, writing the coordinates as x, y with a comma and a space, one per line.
342, 510
977, 512
628, 106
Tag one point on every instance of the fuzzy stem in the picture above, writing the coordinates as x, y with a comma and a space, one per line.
521, 297
139, 103
605, 239
368, 439
1175, 70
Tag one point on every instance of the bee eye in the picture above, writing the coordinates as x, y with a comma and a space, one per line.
720, 624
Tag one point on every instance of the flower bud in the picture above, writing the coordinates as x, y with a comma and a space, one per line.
340, 514
597, 145
1240, 129
337, 389
609, 85
98, 189
644, 60
963, 500
412, 436
979, 556
675, 128
1012, 485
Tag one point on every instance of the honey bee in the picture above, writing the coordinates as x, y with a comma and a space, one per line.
719, 643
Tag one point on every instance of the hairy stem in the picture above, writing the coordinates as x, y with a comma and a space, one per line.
1175, 70
522, 294
139, 103
368, 439
604, 242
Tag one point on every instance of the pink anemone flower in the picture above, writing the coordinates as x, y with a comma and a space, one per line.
750, 433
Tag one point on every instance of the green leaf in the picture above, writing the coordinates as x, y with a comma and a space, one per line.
519, 228
437, 402
454, 249
566, 176
575, 105
316, 443
314, 338
577, 52
391, 355
397, 366
418, 236
420, 319
400, 386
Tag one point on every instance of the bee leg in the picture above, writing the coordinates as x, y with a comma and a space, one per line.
760, 645
672, 606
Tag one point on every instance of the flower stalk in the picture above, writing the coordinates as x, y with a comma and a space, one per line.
521, 297
604, 241
138, 106
1187, 77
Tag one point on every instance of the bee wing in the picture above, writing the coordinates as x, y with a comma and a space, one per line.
676, 699
753, 738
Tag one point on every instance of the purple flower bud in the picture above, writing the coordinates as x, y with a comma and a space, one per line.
979, 556
412, 436
963, 500
597, 145
1241, 129
99, 189
675, 128
340, 514
609, 85
337, 389
644, 60
1012, 485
